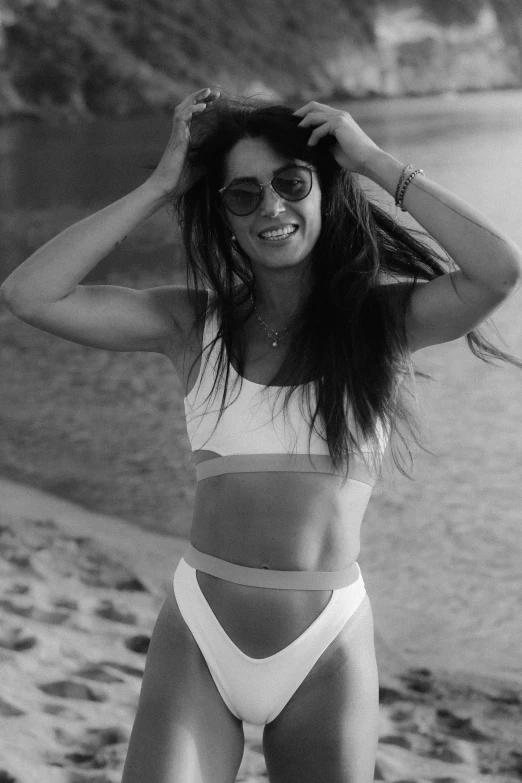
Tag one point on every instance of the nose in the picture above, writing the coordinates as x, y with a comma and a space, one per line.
272, 203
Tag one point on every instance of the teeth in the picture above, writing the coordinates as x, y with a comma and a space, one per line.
279, 232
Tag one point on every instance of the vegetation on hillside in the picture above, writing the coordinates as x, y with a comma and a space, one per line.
81, 57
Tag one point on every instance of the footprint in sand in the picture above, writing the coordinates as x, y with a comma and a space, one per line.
17, 640
441, 750
66, 689
8, 710
461, 728
98, 673
109, 611
418, 680
63, 602
390, 695
34, 613
138, 644
5, 777
61, 711
95, 748
17, 589
445, 780
392, 739
133, 671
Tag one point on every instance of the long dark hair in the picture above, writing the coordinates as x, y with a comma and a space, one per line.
349, 343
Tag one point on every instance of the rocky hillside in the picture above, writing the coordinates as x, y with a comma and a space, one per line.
70, 58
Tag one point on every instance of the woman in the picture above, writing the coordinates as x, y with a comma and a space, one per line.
299, 285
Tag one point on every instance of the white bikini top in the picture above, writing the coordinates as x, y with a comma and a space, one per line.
254, 434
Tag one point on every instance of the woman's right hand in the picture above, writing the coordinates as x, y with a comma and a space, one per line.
173, 171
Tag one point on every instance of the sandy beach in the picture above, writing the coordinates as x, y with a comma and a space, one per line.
80, 595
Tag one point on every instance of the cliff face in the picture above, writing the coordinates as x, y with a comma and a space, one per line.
78, 57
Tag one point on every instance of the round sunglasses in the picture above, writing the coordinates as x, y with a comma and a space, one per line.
293, 183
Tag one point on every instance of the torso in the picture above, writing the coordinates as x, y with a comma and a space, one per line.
286, 521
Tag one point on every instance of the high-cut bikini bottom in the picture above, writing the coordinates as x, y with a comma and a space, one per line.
257, 689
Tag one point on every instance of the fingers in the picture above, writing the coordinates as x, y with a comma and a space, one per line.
313, 106
319, 133
196, 101
315, 117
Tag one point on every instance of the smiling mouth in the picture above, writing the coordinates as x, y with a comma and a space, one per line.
272, 235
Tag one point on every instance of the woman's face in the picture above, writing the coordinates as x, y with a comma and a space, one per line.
255, 158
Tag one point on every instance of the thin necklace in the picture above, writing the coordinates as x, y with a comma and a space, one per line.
276, 337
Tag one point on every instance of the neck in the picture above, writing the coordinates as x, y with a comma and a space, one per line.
280, 295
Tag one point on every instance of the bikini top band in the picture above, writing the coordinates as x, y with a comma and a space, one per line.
291, 463
264, 577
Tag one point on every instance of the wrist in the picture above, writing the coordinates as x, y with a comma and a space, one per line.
383, 169
155, 192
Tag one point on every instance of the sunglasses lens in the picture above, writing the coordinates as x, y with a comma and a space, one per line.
293, 184
242, 199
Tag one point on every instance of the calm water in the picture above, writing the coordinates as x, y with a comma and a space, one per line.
442, 555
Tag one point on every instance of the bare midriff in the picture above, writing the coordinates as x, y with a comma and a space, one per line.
282, 521
276, 520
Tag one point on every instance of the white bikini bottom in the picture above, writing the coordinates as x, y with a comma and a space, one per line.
257, 689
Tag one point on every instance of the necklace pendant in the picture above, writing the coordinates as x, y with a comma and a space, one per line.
274, 345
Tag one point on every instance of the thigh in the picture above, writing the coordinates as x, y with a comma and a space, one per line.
328, 731
183, 731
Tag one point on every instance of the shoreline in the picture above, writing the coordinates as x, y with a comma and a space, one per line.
9, 120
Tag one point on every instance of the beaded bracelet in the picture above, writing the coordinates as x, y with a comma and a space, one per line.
404, 174
400, 198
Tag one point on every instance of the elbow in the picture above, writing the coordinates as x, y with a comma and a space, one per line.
13, 302
509, 276
513, 275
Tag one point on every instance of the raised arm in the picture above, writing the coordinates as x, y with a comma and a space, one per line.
45, 291
489, 262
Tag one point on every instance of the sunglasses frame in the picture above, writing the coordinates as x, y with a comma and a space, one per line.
261, 187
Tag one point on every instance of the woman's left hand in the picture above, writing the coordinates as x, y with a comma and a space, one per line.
353, 148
